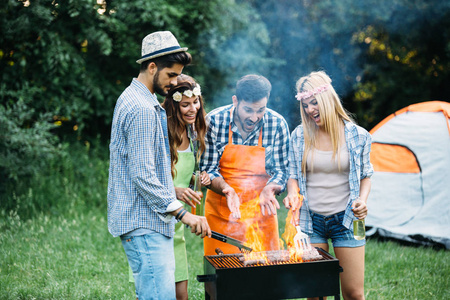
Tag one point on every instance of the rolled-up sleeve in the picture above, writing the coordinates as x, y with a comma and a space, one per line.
367, 167
279, 172
293, 152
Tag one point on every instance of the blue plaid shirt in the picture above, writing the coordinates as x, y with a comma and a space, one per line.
359, 142
140, 186
275, 140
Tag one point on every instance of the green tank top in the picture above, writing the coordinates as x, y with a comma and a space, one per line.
185, 167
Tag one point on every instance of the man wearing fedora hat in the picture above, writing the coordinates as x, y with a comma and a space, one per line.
141, 196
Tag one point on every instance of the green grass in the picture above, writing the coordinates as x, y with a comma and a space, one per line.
394, 271
72, 256
63, 250
62, 257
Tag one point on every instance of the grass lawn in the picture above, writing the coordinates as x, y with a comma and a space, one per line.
71, 255
62, 257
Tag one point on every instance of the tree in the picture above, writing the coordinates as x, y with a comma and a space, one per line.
81, 54
66, 62
405, 60
381, 55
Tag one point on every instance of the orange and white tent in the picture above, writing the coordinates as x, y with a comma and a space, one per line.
410, 196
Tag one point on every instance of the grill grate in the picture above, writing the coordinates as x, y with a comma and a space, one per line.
225, 261
227, 276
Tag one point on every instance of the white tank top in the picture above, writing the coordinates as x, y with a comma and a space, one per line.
188, 149
327, 187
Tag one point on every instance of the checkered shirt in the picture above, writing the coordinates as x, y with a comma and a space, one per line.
275, 140
359, 142
140, 186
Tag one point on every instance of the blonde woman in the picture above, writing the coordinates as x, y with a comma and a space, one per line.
329, 165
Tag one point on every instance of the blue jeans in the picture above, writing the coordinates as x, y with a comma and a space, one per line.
330, 227
152, 261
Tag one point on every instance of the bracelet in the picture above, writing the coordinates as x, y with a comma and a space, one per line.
179, 213
182, 214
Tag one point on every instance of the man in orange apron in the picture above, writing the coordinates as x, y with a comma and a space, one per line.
246, 158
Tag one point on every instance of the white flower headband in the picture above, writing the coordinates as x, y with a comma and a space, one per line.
313, 92
177, 96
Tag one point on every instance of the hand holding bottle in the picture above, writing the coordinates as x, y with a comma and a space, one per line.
359, 209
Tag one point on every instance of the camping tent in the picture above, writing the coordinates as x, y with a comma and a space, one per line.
410, 195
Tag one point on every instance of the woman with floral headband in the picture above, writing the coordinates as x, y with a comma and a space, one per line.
186, 128
329, 166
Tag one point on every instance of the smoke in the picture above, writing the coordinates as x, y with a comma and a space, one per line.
293, 38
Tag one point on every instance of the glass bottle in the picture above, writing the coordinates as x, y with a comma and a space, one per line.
198, 190
359, 229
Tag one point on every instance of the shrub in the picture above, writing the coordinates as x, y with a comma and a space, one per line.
27, 144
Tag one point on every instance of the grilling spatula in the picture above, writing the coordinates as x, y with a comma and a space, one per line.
231, 241
301, 240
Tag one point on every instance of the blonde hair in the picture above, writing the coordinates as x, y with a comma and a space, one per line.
332, 113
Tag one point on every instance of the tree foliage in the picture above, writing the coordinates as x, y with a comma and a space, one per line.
26, 143
406, 60
64, 63
381, 55
82, 54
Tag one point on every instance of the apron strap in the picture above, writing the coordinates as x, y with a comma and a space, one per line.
260, 137
230, 133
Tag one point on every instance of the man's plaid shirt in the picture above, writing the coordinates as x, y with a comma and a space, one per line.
275, 140
140, 186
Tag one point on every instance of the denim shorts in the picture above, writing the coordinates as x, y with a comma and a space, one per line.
330, 227
152, 261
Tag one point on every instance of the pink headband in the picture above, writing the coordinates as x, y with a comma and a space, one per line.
313, 92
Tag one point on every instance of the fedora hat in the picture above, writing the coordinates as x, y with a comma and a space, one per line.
158, 44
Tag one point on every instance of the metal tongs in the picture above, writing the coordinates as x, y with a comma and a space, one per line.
231, 241
301, 240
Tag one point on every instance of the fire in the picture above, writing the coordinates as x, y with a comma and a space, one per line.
290, 231
254, 235
288, 237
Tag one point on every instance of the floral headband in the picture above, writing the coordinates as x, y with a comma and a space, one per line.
313, 92
177, 96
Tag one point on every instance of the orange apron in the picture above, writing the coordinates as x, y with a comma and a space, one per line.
243, 168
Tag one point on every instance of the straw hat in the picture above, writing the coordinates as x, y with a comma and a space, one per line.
158, 44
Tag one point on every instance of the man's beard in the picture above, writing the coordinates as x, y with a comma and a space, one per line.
157, 86
241, 122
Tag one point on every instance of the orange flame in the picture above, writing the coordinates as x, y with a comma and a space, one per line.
290, 231
253, 234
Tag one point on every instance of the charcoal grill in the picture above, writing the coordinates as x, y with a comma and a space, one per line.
227, 278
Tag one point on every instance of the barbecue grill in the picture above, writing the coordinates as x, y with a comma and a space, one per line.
226, 277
